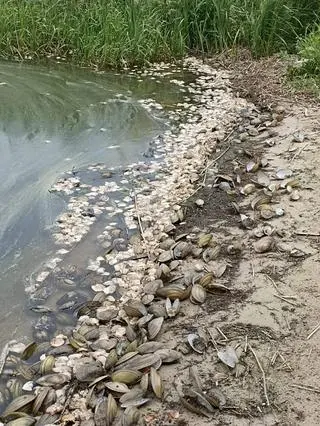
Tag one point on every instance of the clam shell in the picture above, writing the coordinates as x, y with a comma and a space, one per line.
157, 310
248, 189
196, 343
198, 294
152, 286
264, 244
266, 212
22, 421
206, 279
164, 270
295, 196
139, 362
154, 327
147, 299
215, 397
204, 240
149, 347
144, 320
135, 308
49, 400
174, 292
156, 383
165, 256
134, 398
130, 333
112, 410
54, 380
211, 253
111, 360
126, 376
126, 357
166, 244
22, 403
29, 350
259, 200
172, 308
87, 370
168, 355
117, 387
144, 383
131, 417
181, 250
47, 365
39, 400
228, 356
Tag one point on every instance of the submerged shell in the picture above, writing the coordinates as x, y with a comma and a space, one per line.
154, 327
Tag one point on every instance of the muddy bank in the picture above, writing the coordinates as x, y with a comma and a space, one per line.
208, 230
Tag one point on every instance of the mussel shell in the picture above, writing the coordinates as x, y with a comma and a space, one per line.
15, 387
139, 362
22, 421
154, 327
47, 419
47, 365
165, 256
135, 309
168, 355
198, 294
206, 279
126, 376
22, 403
39, 400
204, 240
156, 383
126, 357
117, 387
54, 380
111, 360
29, 351
181, 250
174, 292
149, 347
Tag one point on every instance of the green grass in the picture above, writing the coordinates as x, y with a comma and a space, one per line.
117, 32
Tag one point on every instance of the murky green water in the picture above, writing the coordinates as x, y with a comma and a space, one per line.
54, 119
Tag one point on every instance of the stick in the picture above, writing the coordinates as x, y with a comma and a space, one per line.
308, 234
222, 334
300, 150
263, 375
306, 387
285, 300
140, 225
313, 331
219, 156
273, 283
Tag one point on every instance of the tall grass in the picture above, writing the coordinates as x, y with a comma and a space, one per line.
114, 32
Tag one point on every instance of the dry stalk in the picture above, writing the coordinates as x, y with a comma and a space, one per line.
313, 331
140, 225
265, 391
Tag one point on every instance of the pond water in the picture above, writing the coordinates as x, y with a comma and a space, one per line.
52, 119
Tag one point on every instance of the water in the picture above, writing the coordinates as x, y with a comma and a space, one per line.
53, 119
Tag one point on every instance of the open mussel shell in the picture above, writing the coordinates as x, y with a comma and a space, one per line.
197, 343
22, 404
198, 294
112, 410
126, 376
154, 327
172, 308
22, 421
156, 383
135, 308
15, 387
174, 292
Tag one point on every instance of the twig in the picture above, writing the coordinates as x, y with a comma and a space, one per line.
222, 334
308, 234
263, 375
313, 331
306, 387
300, 150
140, 224
253, 271
285, 300
219, 156
213, 339
273, 283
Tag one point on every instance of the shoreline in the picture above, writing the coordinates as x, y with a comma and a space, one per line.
210, 206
